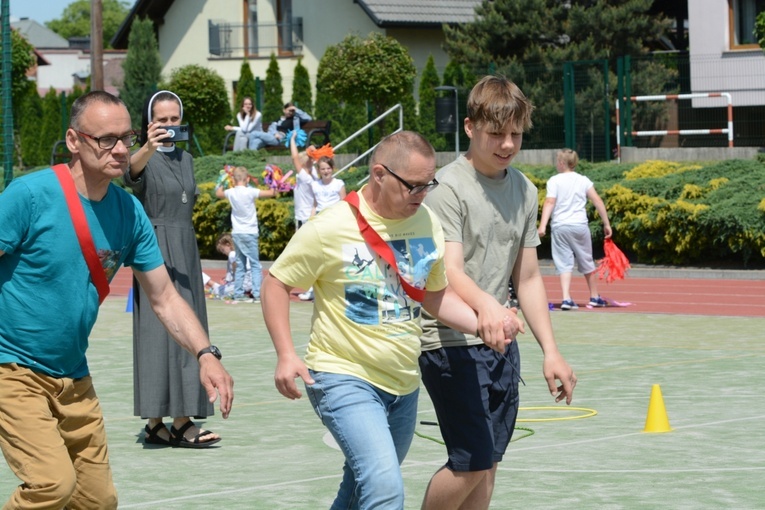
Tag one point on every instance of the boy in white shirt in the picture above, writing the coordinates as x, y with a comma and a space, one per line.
567, 194
244, 224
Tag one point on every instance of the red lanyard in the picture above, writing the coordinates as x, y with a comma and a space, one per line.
380, 247
97, 273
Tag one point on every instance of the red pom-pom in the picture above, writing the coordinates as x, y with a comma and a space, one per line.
614, 265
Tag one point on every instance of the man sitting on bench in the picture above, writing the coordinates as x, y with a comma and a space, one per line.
290, 121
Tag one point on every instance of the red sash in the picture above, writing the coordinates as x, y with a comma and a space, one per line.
380, 247
97, 273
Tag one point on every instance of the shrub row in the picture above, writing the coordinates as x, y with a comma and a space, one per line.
661, 212
676, 213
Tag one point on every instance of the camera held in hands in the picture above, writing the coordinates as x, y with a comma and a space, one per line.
176, 133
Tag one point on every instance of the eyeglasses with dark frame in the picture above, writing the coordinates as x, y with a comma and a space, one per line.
109, 142
413, 189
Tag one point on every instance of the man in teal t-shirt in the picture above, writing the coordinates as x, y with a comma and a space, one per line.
49, 304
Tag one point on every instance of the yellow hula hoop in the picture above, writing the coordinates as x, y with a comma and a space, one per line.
587, 413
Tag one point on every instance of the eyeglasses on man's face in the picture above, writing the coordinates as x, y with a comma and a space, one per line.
109, 142
413, 189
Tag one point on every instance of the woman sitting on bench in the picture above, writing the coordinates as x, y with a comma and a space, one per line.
250, 121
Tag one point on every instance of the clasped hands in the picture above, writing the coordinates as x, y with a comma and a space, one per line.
498, 328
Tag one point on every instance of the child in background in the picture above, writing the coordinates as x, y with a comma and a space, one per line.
567, 194
225, 246
305, 176
326, 191
244, 222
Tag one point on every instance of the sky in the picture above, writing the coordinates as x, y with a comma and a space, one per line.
38, 10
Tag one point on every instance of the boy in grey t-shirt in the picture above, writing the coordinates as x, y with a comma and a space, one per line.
488, 211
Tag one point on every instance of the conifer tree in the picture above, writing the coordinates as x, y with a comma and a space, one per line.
409, 106
429, 80
301, 88
529, 40
273, 105
76, 92
346, 119
245, 87
142, 68
50, 127
32, 151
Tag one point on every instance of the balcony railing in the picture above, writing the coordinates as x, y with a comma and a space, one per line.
239, 40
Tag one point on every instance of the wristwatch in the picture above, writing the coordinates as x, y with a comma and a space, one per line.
212, 350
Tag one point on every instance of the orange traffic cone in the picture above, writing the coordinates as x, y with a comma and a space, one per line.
657, 419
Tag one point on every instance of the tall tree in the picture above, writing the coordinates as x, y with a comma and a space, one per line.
32, 151
22, 59
301, 88
205, 104
142, 68
529, 40
377, 69
245, 87
50, 124
75, 20
429, 80
272, 101
409, 108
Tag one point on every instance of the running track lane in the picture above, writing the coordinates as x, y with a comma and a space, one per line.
737, 298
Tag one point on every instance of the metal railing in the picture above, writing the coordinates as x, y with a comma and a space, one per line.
239, 40
363, 129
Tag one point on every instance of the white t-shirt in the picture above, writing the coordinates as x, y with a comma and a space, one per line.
570, 192
244, 218
327, 194
303, 194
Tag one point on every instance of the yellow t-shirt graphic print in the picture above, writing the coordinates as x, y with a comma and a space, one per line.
363, 322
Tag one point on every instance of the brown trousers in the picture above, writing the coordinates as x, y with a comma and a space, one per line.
53, 437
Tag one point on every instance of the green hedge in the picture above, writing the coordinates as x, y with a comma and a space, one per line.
679, 213
710, 213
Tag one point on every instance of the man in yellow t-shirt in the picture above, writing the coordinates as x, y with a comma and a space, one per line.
361, 371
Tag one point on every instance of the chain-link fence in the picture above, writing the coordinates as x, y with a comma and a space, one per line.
576, 103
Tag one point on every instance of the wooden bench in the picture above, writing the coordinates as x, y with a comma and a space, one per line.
315, 128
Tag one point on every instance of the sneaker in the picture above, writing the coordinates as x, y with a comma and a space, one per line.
256, 300
243, 299
568, 304
598, 302
306, 296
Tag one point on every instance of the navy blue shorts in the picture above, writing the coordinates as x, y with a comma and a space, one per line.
474, 391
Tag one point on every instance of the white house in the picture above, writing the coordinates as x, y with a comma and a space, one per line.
725, 56
66, 65
218, 34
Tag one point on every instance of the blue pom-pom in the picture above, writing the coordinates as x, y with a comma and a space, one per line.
300, 139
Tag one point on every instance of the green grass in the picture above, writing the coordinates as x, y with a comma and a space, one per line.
273, 455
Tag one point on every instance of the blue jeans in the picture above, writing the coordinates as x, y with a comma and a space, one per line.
247, 248
260, 139
374, 429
